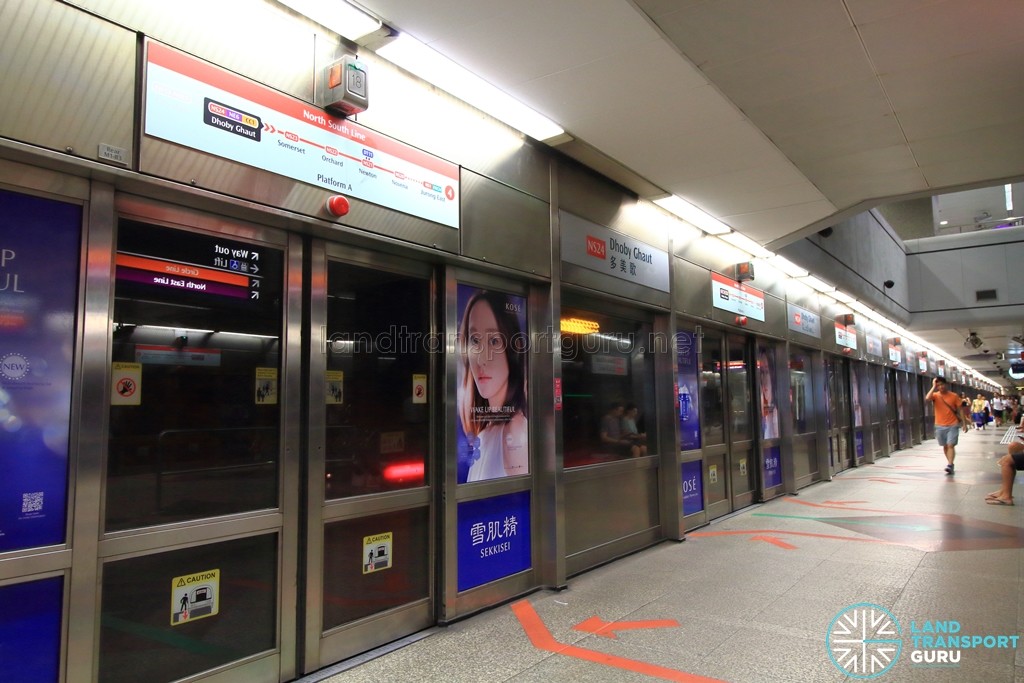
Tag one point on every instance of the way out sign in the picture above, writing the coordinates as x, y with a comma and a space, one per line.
195, 596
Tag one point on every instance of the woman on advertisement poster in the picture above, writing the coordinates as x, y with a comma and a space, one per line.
769, 409
491, 392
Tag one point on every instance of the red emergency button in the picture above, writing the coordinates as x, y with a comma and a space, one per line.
337, 205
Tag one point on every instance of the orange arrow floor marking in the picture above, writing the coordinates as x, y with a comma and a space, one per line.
542, 639
740, 532
607, 629
853, 509
774, 541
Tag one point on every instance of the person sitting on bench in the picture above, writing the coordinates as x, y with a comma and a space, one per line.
1009, 465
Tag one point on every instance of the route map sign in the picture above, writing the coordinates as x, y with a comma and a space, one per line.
199, 105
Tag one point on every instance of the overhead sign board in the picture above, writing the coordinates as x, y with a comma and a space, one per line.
196, 104
803, 321
597, 248
736, 297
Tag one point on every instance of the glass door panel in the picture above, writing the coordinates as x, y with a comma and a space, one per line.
741, 424
377, 426
194, 416
369, 557
201, 392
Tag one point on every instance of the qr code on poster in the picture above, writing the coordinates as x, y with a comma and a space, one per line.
32, 502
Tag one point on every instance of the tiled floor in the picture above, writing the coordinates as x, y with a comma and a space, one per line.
754, 598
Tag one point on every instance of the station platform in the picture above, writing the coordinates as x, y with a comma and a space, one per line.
893, 571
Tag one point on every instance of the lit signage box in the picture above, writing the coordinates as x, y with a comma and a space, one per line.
196, 104
597, 248
736, 297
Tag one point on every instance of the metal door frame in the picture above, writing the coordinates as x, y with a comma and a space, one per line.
812, 438
280, 663
730, 448
451, 603
839, 437
321, 647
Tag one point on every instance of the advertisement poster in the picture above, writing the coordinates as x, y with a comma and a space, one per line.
766, 383
772, 467
494, 538
30, 628
39, 251
693, 487
856, 370
686, 376
492, 435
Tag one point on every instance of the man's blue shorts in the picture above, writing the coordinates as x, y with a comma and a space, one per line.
947, 436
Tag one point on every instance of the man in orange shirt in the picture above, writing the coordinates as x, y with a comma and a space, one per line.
947, 422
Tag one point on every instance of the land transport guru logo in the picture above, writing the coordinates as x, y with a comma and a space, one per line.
865, 641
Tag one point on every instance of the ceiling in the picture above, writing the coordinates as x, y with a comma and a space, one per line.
779, 117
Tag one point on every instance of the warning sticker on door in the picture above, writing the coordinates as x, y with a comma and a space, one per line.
376, 552
266, 386
126, 384
335, 394
195, 596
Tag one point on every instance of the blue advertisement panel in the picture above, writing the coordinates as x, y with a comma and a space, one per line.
686, 371
494, 538
491, 433
39, 251
693, 487
772, 467
30, 631
858, 443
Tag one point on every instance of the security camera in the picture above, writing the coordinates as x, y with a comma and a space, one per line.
973, 341
888, 284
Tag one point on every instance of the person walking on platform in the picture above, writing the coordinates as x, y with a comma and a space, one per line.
998, 406
947, 419
978, 407
1009, 465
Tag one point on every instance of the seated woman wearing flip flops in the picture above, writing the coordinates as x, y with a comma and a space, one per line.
1009, 465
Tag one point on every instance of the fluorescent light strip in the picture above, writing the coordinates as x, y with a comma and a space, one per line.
815, 283
787, 267
746, 244
842, 296
693, 215
435, 68
341, 17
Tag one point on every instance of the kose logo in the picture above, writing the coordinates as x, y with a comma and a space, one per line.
596, 247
